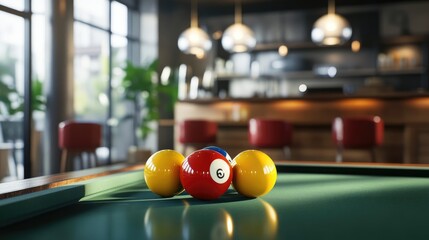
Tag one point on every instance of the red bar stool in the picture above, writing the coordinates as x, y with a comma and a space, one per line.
271, 133
198, 133
76, 138
357, 133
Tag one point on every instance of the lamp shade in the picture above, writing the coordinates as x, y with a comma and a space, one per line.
331, 29
194, 41
238, 38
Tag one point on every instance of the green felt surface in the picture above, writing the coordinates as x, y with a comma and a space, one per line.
301, 206
27, 205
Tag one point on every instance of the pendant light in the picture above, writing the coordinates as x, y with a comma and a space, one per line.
238, 37
283, 49
331, 29
356, 44
194, 40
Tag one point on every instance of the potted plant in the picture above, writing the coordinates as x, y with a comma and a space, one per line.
140, 88
12, 112
12, 103
7, 102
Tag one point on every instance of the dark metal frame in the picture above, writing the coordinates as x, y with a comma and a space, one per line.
27, 92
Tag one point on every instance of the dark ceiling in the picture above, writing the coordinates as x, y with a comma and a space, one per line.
222, 7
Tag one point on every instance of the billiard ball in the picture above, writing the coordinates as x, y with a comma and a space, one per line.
223, 152
206, 174
162, 173
255, 173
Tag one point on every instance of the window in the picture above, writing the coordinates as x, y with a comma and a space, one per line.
106, 35
15, 4
102, 48
12, 60
13, 52
91, 74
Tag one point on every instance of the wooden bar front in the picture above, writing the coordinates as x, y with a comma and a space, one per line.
406, 124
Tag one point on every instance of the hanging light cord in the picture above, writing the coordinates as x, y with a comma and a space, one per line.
331, 7
194, 14
238, 17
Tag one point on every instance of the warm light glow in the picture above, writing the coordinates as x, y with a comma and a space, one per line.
271, 213
421, 102
283, 50
355, 46
194, 41
199, 54
291, 104
217, 35
338, 127
229, 225
238, 38
359, 103
224, 106
331, 29
407, 55
377, 119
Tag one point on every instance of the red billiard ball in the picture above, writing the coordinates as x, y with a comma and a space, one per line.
206, 174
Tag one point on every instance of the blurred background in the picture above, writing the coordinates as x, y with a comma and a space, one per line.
73, 60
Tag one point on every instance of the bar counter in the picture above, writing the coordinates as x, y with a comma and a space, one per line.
406, 117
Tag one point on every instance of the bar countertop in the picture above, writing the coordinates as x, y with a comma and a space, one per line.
314, 97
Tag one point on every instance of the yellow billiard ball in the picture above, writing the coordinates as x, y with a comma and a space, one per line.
255, 173
162, 173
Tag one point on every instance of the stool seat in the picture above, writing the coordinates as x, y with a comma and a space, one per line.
197, 132
77, 138
357, 133
270, 133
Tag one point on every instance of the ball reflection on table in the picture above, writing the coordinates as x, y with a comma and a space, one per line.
163, 222
208, 223
254, 221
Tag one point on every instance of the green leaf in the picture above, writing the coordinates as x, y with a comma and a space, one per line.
138, 80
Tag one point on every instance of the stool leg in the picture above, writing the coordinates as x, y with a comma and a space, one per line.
339, 157
373, 155
63, 161
80, 156
185, 148
97, 163
287, 152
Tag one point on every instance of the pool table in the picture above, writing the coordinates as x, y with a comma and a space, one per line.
313, 202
